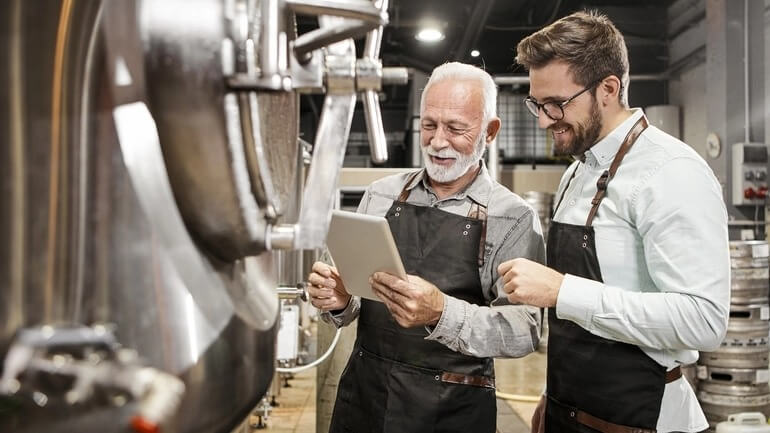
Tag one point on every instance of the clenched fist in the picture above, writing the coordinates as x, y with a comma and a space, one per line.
528, 282
326, 289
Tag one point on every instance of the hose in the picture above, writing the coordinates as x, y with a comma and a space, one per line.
518, 397
315, 363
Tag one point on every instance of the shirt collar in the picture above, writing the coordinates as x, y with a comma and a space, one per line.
603, 152
478, 190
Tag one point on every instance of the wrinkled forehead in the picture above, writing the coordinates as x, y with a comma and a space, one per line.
451, 95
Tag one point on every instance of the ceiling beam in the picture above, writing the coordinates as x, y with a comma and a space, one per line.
473, 29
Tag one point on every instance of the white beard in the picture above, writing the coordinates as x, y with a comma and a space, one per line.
461, 165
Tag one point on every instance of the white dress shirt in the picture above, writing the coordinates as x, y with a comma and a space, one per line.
662, 246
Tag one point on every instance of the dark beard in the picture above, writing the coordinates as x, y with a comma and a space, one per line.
585, 136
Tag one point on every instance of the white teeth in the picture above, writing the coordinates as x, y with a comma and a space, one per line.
561, 131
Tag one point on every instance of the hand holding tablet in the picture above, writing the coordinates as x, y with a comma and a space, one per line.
361, 245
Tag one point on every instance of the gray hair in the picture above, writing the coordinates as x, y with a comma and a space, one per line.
462, 71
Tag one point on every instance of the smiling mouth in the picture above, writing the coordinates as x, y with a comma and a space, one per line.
559, 131
440, 160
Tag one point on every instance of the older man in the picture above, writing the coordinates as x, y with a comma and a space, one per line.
422, 358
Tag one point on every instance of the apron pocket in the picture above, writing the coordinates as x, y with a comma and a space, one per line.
361, 395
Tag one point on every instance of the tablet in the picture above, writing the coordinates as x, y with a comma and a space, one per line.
361, 245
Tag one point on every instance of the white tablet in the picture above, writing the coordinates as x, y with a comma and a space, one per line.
361, 245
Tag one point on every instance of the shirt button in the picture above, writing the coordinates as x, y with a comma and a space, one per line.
572, 414
467, 226
572, 202
465, 233
437, 377
398, 208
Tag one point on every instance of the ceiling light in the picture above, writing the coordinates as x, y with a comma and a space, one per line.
475, 53
429, 35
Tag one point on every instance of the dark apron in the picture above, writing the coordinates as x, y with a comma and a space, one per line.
590, 377
395, 380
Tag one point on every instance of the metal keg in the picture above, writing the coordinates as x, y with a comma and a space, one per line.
734, 389
735, 376
718, 407
750, 279
744, 346
543, 204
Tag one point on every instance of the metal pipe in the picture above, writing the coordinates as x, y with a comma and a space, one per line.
504, 80
378, 144
395, 75
281, 237
374, 38
311, 41
268, 62
746, 109
340, 8
292, 293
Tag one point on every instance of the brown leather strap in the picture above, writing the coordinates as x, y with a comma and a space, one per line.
405, 191
464, 379
605, 426
606, 177
674, 374
479, 212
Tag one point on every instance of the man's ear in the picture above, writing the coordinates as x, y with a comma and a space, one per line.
610, 88
493, 127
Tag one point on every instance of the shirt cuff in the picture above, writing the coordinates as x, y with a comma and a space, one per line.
342, 317
450, 323
578, 300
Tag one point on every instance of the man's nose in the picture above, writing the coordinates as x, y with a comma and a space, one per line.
543, 120
439, 139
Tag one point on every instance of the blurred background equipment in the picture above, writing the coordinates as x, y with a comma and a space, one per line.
157, 200
734, 378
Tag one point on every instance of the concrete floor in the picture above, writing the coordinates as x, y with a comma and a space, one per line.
296, 410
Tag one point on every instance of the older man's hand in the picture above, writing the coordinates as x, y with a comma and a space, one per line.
528, 282
326, 289
411, 303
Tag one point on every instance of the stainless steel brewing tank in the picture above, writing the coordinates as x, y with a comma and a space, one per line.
97, 229
542, 202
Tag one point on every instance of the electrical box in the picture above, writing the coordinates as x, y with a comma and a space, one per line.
749, 173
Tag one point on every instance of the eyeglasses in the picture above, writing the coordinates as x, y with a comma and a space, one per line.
553, 109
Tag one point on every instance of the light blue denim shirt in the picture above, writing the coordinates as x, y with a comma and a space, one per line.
497, 329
